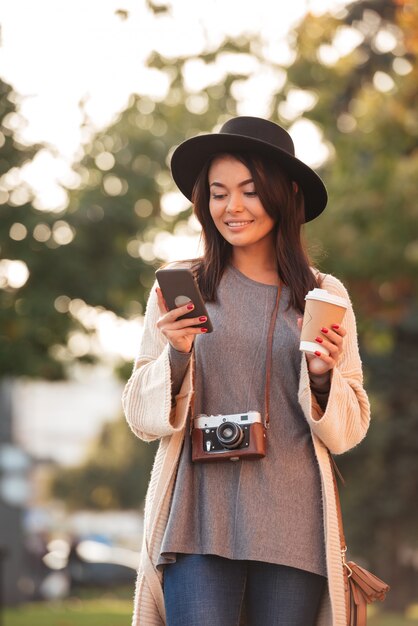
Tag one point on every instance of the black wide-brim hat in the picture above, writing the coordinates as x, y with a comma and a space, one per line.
252, 135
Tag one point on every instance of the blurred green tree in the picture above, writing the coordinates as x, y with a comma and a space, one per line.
28, 323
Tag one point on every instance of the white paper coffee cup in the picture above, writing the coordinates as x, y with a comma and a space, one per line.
322, 309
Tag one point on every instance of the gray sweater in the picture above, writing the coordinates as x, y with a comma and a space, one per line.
268, 509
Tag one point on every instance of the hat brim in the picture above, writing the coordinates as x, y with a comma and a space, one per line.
190, 157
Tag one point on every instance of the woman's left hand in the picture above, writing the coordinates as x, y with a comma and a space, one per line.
332, 340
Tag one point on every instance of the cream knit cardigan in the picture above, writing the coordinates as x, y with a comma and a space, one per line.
149, 412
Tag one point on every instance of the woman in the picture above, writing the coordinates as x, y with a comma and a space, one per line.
260, 533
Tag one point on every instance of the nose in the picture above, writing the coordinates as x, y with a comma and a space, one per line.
235, 204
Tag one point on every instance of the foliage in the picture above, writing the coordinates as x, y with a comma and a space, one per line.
29, 325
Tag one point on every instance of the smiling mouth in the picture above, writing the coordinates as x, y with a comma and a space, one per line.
238, 224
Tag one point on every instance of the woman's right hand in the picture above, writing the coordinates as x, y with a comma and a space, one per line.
180, 333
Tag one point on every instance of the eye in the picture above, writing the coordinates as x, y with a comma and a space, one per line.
251, 194
218, 196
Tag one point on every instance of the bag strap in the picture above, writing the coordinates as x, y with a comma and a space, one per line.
343, 545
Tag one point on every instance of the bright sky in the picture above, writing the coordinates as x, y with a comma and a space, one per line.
56, 54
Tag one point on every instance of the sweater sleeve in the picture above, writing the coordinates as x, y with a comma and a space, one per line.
320, 389
179, 362
146, 399
345, 420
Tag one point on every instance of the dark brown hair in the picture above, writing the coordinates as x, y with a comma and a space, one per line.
284, 204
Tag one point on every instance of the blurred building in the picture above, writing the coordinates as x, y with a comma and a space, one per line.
44, 424
57, 421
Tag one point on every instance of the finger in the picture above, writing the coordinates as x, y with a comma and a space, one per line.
172, 335
339, 330
333, 349
182, 324
171, 316
300, 322
317, 366
333, 335
325, 358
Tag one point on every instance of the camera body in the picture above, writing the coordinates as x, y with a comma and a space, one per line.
228, 437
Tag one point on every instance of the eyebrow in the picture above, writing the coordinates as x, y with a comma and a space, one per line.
242, 184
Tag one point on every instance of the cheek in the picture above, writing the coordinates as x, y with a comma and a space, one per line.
215, 212
267, 220
215, 219
212, 214
270, 224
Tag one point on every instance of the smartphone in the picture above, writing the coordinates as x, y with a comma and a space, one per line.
179, 286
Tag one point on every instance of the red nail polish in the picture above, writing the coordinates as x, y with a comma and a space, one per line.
190, 306
203, 318
324, 330
204, 330
318, 353
336, 326
319, 340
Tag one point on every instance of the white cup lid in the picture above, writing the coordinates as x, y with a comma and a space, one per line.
325, 296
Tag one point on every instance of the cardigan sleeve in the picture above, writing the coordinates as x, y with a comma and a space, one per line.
147, 400
346, 418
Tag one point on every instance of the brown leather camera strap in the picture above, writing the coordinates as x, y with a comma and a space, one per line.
269, 357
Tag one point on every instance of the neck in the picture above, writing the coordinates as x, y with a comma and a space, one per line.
260, 265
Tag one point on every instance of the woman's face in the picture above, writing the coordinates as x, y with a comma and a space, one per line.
235, 206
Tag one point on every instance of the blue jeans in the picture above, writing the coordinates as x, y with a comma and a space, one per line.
206, 590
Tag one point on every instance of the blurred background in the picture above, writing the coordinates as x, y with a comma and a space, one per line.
93, 98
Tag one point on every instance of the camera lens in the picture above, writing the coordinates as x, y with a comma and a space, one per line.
230, 435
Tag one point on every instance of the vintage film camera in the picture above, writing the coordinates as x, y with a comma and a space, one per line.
228, 437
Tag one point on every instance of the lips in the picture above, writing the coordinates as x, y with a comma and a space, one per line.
239, 224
